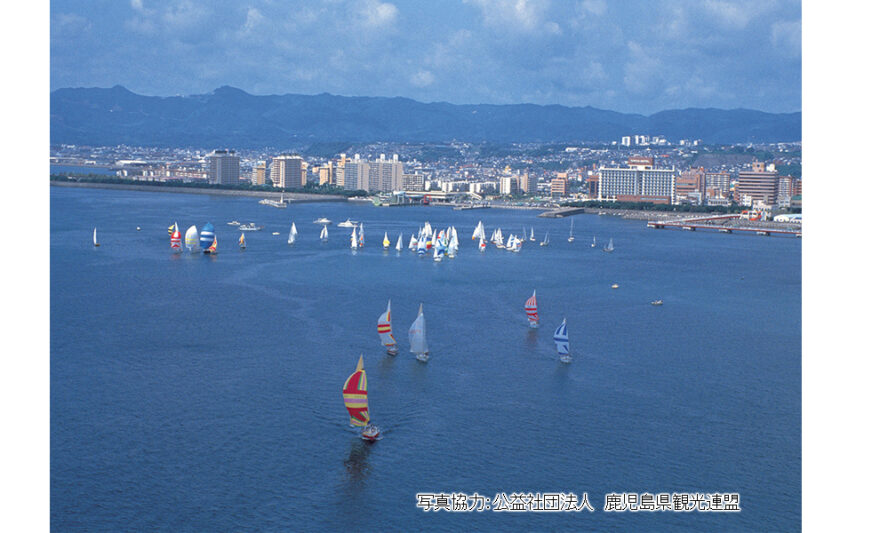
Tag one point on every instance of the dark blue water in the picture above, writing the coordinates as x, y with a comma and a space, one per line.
196, 393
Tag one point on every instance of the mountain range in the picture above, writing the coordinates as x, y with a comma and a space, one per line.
230, 117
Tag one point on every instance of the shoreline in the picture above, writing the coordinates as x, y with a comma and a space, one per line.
289, 197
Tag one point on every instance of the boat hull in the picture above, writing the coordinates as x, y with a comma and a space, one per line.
423, 357
565, 359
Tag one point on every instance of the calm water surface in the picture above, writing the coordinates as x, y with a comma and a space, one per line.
195, 393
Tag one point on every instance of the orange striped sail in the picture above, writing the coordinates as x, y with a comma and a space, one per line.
532, 310
384, 328
354, 393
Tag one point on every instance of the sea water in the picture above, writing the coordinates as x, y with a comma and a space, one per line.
204, 393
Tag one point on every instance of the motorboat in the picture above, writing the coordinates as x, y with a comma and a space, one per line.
321, 220
349, 223
615, 286
250, 227
657, 302
370, 433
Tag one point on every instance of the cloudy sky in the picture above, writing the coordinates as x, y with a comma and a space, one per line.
631, 56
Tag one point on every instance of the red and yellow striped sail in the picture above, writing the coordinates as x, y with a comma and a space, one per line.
384, 328
213, 248
354, 393
532, 309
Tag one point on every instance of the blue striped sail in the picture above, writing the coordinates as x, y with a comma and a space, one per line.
206, 237
561, 338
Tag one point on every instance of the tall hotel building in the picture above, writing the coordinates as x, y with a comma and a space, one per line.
758, 186
224, 167
287, 171
640, 182
386, 175
356, 175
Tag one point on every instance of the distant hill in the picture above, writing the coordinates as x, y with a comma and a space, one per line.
230, 117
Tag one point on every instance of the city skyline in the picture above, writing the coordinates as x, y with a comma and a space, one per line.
636, 58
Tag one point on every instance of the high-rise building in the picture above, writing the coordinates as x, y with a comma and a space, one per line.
386, 175
287, 171
559, 187
357, 174
690, 181
757, 186
224, 167
325, 174
639, 182
528, 184
508, 185
717, 184
259, 175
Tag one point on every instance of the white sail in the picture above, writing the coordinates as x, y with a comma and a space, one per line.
438, 255
384, 329
477, 231
385, 242
192, 238
399, 245
532, 235
354, 239
413, 242
418, 342
610, 247
291, 237
324, 234
571, 232
560, 336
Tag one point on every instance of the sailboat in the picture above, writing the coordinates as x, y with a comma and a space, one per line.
241, 243
532, 235
213, 248
571, 232
594, 242
418, 344
422, 246
438, 254
399, 245
95, 237
361, 234
385, 242
354, 239
478, 231
384, 329
610, 247
207, 237
291, 237
175, 239
482, 245
413, 242
532, 310
324, 234
192, 238
546, 240
354, 394
560, 336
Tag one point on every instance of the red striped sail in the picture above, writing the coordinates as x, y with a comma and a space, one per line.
354, 394
175, 240
384, 327
532, 309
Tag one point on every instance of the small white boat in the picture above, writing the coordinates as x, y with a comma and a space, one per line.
324, 235
657, 302
571, 232
233, 223
594, 242
614, 286
291, 237
610, 247
349, 223
249, 227
275, 233
532, 235
546, 240
95, 237
399, 245
321, 220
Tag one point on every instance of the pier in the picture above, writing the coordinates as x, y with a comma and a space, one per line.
720, 223
562, 212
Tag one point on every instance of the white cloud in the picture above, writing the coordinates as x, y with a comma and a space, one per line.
254, 18
137, 5
377, 14
516, 16
594, 7
422, 78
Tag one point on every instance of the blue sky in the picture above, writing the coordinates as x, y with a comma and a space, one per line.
629, 56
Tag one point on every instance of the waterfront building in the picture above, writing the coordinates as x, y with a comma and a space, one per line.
413, 182
357, 174
223, 166
287, 171
690, 181
758, 186
508, 185
258, 177
385, 175
529, 183
559, 187
640, 181
717, 184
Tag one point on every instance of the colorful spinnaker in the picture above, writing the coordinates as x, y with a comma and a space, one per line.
532, 310
354, 394
206, 237
175, 239
171, 228
384, 329
192, 238
241, 242
361, 235
213, 248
